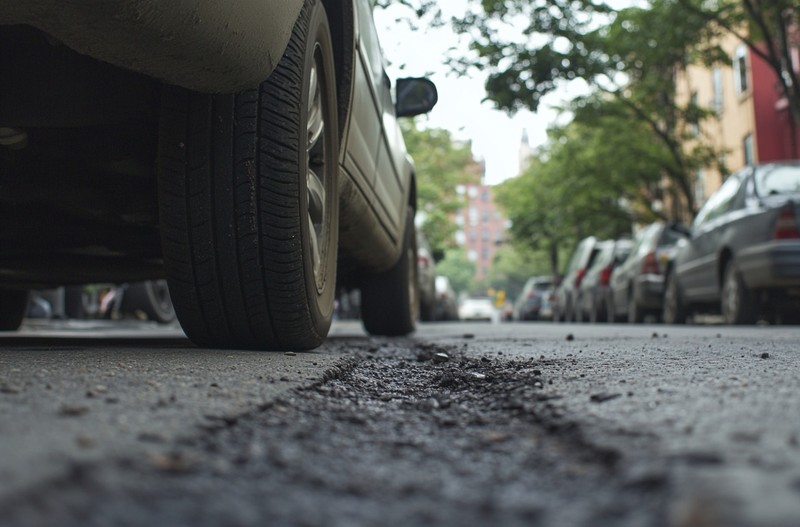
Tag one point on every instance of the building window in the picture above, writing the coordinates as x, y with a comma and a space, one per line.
472, 255
485, 196
461, 238
718, 103
740, 69
472, 236
699, 187
472, 192
747, 146
473, 216
485, 216
694, 127
485, 235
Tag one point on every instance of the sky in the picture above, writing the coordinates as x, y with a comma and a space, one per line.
495, 135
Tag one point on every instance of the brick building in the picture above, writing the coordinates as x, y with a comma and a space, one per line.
481, 226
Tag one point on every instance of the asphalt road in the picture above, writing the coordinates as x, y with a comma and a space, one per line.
479, 424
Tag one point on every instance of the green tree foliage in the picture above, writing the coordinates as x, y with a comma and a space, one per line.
595, 176
457, 267
770, 28
529, 48
441, 164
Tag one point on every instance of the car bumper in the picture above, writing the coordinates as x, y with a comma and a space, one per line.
204, 45
769, 265
649, 291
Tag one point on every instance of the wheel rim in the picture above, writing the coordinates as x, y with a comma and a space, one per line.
318, 168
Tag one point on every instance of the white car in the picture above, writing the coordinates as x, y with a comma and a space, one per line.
476, 309
247, 151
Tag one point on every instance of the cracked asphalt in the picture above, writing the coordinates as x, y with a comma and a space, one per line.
493, 424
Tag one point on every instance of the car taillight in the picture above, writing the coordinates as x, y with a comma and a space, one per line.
650, 264
579, 277
786, 226
605, 275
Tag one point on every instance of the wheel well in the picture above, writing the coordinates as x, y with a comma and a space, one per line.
341, 18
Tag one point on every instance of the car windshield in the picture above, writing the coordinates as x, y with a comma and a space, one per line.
781, 179
543, 286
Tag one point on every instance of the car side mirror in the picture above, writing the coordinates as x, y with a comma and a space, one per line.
415, 96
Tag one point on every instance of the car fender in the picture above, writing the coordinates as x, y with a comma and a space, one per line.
204, 45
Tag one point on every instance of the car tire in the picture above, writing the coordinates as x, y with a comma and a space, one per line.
151, 298
674, 310
611, 316
635, 311
13, 304
249, 201
426, 311
390, 300
736, 302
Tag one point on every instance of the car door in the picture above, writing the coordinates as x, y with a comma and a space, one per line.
375, 140
698, 268
365, 131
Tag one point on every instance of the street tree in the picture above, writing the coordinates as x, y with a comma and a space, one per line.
529, 48
459, 269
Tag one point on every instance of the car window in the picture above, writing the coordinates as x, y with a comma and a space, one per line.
543, 285
720, 202
778, 180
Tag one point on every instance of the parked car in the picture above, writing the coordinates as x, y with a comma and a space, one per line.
533, 299
479, 308
637, 284
742, 254
211, 143
567, 291
446, 306
595, 288
426, 277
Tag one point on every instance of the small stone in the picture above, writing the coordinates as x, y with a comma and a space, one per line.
765, 355
174, 462
441, 357
386, 397
486, 359
570, 337
85, 441
478, 376
603, 397
7, 388
655, 335
468, 335
290, 354
73, 410
537, 372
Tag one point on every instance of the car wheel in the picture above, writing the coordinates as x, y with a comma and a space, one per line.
736, 300
426, 311
635, 312
673, 311
151, 298
611, 316
13, 303
249, 201
389, 299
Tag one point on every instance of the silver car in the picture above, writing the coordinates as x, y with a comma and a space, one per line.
742, 254
247, 151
